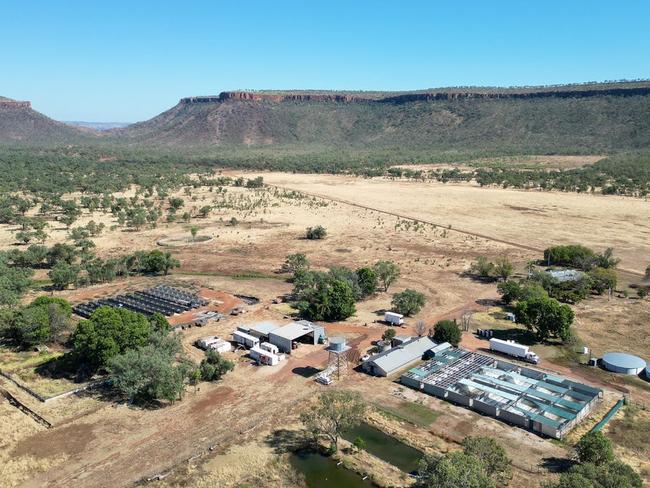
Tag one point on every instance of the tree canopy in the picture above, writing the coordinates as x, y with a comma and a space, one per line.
408, 302
333, 412
447, 331
107, 333
546, 317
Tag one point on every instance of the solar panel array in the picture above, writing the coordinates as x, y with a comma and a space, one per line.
163, 299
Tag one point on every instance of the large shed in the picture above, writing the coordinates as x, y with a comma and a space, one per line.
301, 331
399, 357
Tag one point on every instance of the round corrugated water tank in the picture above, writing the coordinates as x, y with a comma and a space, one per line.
337, 344
621, 362
647, 373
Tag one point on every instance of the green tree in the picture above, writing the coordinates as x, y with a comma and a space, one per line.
575, 256
213, 367
334, 412
315, 233
408, 302
482, 268
159, 324
595, 448
510, 291
205, 211
447, 331
108, 332
367, 280
61, 252
546, 317
149, 373
453, 470
359, 443
330, 300
497, 464
603, 279
157, 261
503, 268
194, 230
389, 334
606, 259
387, 272
615, 474
24, 236
295, 262
63, 275
175, 204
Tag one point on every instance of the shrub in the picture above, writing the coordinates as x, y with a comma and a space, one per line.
315, 233
214, 366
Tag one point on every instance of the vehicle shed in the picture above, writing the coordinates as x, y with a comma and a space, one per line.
301, 331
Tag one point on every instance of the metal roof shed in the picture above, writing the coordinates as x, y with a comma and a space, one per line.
284, 337
262, 329
391, 361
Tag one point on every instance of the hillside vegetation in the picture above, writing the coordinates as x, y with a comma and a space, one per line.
537, 123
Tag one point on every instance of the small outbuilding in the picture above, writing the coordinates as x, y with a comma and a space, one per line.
302, 331
244, 339
397, 358
624, 363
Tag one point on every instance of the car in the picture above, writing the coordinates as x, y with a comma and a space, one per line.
365, 357
323, 380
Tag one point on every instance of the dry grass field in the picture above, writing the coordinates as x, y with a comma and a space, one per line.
530, 218
117, 445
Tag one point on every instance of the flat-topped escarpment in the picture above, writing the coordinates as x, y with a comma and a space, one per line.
14, 104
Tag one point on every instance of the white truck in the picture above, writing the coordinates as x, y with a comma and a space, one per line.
514, 349
394, 318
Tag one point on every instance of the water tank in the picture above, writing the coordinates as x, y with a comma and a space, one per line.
337, 344
621, 362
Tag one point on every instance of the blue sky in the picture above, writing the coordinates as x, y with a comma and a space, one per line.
128, 61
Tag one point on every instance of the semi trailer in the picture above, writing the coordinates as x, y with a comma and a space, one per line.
514, 349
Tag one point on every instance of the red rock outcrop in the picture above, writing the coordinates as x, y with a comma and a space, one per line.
13, 104
452, 94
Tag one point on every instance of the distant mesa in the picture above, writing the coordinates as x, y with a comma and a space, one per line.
565, 91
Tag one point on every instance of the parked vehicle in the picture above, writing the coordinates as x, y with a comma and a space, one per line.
514, 349
323, 380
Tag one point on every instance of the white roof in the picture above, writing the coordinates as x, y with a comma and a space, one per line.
244, 335
403, 354
294, 330
263, 327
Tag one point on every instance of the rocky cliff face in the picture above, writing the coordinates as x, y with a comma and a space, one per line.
258, 97
13, 104
452, 94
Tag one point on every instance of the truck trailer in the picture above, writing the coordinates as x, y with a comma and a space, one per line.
394, 318
514, 349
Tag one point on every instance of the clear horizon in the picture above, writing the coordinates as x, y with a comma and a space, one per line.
120, 62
